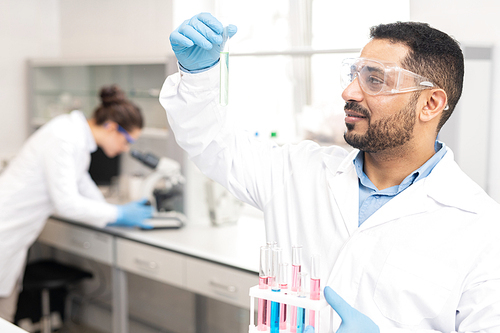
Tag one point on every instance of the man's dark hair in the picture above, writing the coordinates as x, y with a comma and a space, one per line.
432, 54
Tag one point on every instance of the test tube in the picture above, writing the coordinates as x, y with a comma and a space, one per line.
302, 293
296, 268
272, 245
270, 278
276, 253
315, 286
275, 287
283, 281
224, 68
263, 277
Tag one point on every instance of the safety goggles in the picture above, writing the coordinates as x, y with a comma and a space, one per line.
129, 138
377, 77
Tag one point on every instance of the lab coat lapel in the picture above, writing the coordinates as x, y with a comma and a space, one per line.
411, 201
447, 183
344, 187
444, 185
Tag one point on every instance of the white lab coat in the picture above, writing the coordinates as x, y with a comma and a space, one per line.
48, 176
427, 261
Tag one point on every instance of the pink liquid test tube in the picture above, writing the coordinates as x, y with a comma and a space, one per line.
296, 268
315, 287
284, 289
263, 281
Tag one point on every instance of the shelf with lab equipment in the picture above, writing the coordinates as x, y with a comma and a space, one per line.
58, 86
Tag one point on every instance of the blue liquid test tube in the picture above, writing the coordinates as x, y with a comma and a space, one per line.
275, 306
271, 277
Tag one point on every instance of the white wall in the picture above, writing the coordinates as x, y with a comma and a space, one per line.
115, 28
28, 28
471, 23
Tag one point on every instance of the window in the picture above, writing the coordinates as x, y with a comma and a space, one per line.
285, 60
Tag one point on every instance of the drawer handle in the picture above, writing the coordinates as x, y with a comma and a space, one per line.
85, 244
231, 289
146, 263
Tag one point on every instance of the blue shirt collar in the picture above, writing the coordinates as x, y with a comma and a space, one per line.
416, 175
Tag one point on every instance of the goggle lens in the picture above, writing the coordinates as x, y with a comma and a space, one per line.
376, 77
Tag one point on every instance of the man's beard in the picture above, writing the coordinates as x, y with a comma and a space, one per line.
389, 132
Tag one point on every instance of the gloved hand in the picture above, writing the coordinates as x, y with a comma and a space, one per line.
133, 214
353, 321
196, 42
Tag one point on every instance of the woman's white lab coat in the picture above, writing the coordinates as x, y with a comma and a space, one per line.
427, 261
48, 176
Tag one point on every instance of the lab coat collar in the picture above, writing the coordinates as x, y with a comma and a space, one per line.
345, 166
343, 184
446, 185
90, 143
450, 186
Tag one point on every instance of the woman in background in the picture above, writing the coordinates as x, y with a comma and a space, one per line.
50, 176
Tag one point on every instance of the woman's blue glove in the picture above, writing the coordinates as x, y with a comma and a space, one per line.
353, 321
196, 42
133, 214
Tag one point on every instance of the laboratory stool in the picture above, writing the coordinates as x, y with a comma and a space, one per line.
47, 275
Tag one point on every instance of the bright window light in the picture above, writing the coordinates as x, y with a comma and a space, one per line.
285, 60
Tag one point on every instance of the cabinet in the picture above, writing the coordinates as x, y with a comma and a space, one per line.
150, 262
81, 241
218, 282
57, 86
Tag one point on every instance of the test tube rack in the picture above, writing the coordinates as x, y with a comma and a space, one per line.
321, 307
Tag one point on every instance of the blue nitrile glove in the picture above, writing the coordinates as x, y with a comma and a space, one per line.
196, 42
133, 214
353, 321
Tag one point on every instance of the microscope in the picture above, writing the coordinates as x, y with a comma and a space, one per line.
167, 200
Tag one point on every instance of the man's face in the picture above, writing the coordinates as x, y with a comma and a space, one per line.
376, 123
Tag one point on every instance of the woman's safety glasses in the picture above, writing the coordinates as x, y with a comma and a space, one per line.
376, 77
127, 135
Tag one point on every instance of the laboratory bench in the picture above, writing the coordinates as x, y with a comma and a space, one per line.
216, 262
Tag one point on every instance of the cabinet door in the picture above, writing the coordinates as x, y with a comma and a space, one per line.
150, 262
78, 240
226, 284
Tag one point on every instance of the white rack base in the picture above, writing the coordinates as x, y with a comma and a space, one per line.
321, 308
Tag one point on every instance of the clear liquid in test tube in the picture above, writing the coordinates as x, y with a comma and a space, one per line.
301, 312
224, 68
296, 270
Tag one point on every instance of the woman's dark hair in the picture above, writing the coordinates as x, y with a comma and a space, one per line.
433, 54
116, 107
